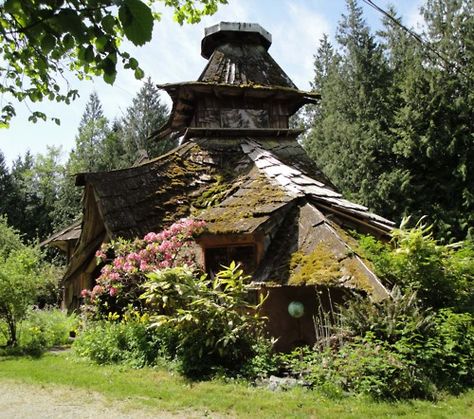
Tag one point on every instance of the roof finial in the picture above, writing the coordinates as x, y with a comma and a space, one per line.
234, 32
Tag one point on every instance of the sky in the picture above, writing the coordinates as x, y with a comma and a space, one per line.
173, 55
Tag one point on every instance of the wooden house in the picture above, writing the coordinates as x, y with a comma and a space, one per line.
240, 168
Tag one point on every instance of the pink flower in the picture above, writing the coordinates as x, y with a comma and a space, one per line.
118, 262
151, 237
128, 267
84, 293
100, 254
98, 289
164, 264
113, 291
144, 266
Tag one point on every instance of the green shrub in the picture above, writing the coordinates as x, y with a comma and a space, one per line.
23, 278
370, 366
448, 355
215, 324
41, 330
129, 341
396, 351
19, 281
442, 275
263, 362
389, 320
54, 324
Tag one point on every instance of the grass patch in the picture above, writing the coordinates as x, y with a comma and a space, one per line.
159, 389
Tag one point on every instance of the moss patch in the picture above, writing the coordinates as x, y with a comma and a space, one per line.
214, 194
319, 267
258, 198
358, 277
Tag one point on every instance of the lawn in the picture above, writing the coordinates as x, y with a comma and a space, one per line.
156, 390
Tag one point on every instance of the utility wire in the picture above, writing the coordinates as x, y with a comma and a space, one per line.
413, 34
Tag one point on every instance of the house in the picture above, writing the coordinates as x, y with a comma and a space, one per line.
240, 168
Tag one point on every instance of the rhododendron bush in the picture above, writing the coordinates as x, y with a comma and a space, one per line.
126, 264
177, 311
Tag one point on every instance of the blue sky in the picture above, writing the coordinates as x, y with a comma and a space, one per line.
174, 55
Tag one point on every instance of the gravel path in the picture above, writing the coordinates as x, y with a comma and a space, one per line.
19, 400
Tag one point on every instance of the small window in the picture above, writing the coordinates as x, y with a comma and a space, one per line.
216, 257
244, 118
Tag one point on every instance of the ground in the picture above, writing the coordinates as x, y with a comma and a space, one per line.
59, 386
20, 400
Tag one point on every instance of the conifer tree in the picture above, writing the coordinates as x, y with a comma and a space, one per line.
146, 115
92, 132
6, 187
394, 127
349, 137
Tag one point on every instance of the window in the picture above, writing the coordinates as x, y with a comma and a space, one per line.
245, 255
244, 118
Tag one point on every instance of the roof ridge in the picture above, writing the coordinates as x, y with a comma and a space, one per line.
298, 183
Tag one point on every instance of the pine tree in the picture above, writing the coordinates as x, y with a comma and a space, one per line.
6, 187
36, 182
350, 137
146, 115
92, 132
435, 121
394, 126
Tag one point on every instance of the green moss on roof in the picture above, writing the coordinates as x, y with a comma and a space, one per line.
321, 267
246, 210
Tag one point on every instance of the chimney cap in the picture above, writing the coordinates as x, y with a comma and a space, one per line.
239, 32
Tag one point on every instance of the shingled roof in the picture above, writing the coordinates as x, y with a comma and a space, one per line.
238, 186
238, 55
241, 169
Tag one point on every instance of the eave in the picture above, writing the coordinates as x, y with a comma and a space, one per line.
184, 97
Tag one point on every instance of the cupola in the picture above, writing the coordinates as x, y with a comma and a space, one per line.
241, 90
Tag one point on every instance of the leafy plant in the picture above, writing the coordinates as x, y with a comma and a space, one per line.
213, 320
41, 39
129, 341
388, 320
41, 330
19, 280
128, 262
442, 275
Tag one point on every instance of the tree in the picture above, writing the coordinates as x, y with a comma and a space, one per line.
92, 131
433, 117
36, 182
6, 187
349, 137
142, 118
394, 127
20, 278
42, 39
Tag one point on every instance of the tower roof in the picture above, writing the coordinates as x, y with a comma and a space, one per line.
238, 55
233, 32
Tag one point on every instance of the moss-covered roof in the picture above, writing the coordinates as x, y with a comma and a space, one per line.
244, 64
243, 186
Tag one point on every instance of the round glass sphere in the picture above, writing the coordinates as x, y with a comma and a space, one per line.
296, 309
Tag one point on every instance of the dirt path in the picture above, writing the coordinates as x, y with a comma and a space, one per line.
19, 400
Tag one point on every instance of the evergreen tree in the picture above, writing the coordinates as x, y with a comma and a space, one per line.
36, 181
92, 132
146, 115
434, 120
6, 187
349, 139
394, 127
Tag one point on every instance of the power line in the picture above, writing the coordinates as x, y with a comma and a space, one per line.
412, 33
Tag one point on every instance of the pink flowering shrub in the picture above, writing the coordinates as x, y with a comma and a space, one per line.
126, 264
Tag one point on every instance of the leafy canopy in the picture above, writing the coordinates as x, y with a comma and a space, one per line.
20, 277
41, 40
